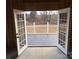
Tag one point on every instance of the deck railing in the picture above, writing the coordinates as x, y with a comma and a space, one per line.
48, 28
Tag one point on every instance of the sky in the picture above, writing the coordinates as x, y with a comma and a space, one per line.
39, 12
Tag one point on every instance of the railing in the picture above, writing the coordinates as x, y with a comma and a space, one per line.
43, 29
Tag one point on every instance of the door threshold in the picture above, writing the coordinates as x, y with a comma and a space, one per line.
42, 46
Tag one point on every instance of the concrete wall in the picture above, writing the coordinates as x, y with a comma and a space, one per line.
42, 39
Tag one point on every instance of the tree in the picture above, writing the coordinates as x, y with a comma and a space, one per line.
46, 16
33, 16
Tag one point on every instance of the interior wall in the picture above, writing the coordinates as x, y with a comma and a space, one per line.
10, 37
46, 5
41, 6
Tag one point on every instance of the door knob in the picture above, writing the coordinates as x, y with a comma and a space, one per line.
17, 35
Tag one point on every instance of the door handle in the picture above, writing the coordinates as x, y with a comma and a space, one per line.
17, 35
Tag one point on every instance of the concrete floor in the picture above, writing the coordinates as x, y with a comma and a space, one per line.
42, 53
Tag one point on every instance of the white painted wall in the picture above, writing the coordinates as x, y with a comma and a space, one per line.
42, 39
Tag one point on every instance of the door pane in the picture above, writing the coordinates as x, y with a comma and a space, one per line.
62, 29
21, 29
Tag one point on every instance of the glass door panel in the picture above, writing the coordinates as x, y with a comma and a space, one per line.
63, 29
20, 24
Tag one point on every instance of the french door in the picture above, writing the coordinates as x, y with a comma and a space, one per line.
63, 25
21, 32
